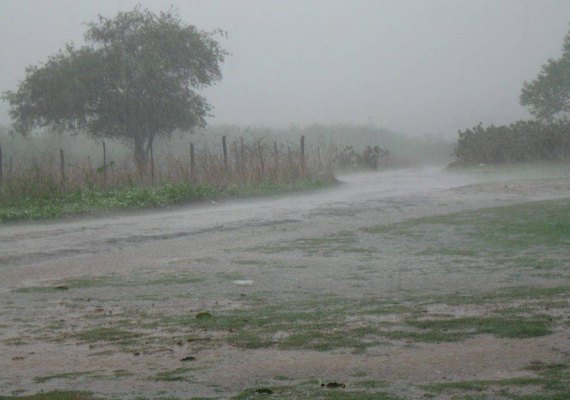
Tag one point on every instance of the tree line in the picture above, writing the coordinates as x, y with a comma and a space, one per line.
547, 137
522, 141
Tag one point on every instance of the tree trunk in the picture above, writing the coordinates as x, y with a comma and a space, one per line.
141, 154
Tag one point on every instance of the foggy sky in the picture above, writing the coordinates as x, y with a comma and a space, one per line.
421, 67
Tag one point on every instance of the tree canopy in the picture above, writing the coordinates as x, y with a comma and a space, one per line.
134, 79
548, 96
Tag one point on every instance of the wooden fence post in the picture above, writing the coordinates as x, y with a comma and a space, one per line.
0, 163
225, 149
276, 151
276, 162
261, 161
62, 167
151, 164
243, 158
192, 164
104, 164
302, 155
236, 157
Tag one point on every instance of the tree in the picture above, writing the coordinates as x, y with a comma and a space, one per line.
548, 95
133, 80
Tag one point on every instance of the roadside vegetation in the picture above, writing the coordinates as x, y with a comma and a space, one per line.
46, 188
546, 138
97, 175
520, 142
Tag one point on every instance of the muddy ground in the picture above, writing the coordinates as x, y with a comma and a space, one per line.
399, 284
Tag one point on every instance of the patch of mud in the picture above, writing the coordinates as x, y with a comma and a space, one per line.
216, 372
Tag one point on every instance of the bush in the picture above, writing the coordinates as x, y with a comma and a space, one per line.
522, 141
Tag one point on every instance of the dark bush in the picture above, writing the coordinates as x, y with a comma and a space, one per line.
522, 141
371, 158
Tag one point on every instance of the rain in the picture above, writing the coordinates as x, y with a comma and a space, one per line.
284, 199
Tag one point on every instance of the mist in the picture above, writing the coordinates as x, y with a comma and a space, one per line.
416, 67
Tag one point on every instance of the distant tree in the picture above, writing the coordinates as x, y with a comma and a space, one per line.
548, 96
134, 80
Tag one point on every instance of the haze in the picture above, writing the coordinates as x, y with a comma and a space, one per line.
419, 67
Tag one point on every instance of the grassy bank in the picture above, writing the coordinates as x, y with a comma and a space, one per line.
57, 202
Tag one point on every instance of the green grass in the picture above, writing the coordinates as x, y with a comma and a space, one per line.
504, 295
311, 391
325, 323
162, 279
57, 202
54, 395
341, 242
67, 375
357, 324
505, 231
507, 327
178, 374
552, 381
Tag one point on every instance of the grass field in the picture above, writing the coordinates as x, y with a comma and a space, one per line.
125, 316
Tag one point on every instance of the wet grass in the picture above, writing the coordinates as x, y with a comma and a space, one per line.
56, 202
75, 283
311, 391
342, 242
16, 341
551, 381
357, 324
175, 375
511, 327
113, 281
558, 294
505, 231
67, 375
325, 323
258, 263
55, 395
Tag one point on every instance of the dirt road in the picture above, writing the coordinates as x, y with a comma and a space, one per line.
112, 304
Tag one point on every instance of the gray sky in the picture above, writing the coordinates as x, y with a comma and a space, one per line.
413, 66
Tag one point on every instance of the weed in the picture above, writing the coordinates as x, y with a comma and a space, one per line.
178, 374
67, 375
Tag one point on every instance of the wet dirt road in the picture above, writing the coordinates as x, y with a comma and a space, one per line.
146, 267
31, 242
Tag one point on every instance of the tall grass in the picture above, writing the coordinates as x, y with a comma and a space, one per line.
40, 190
